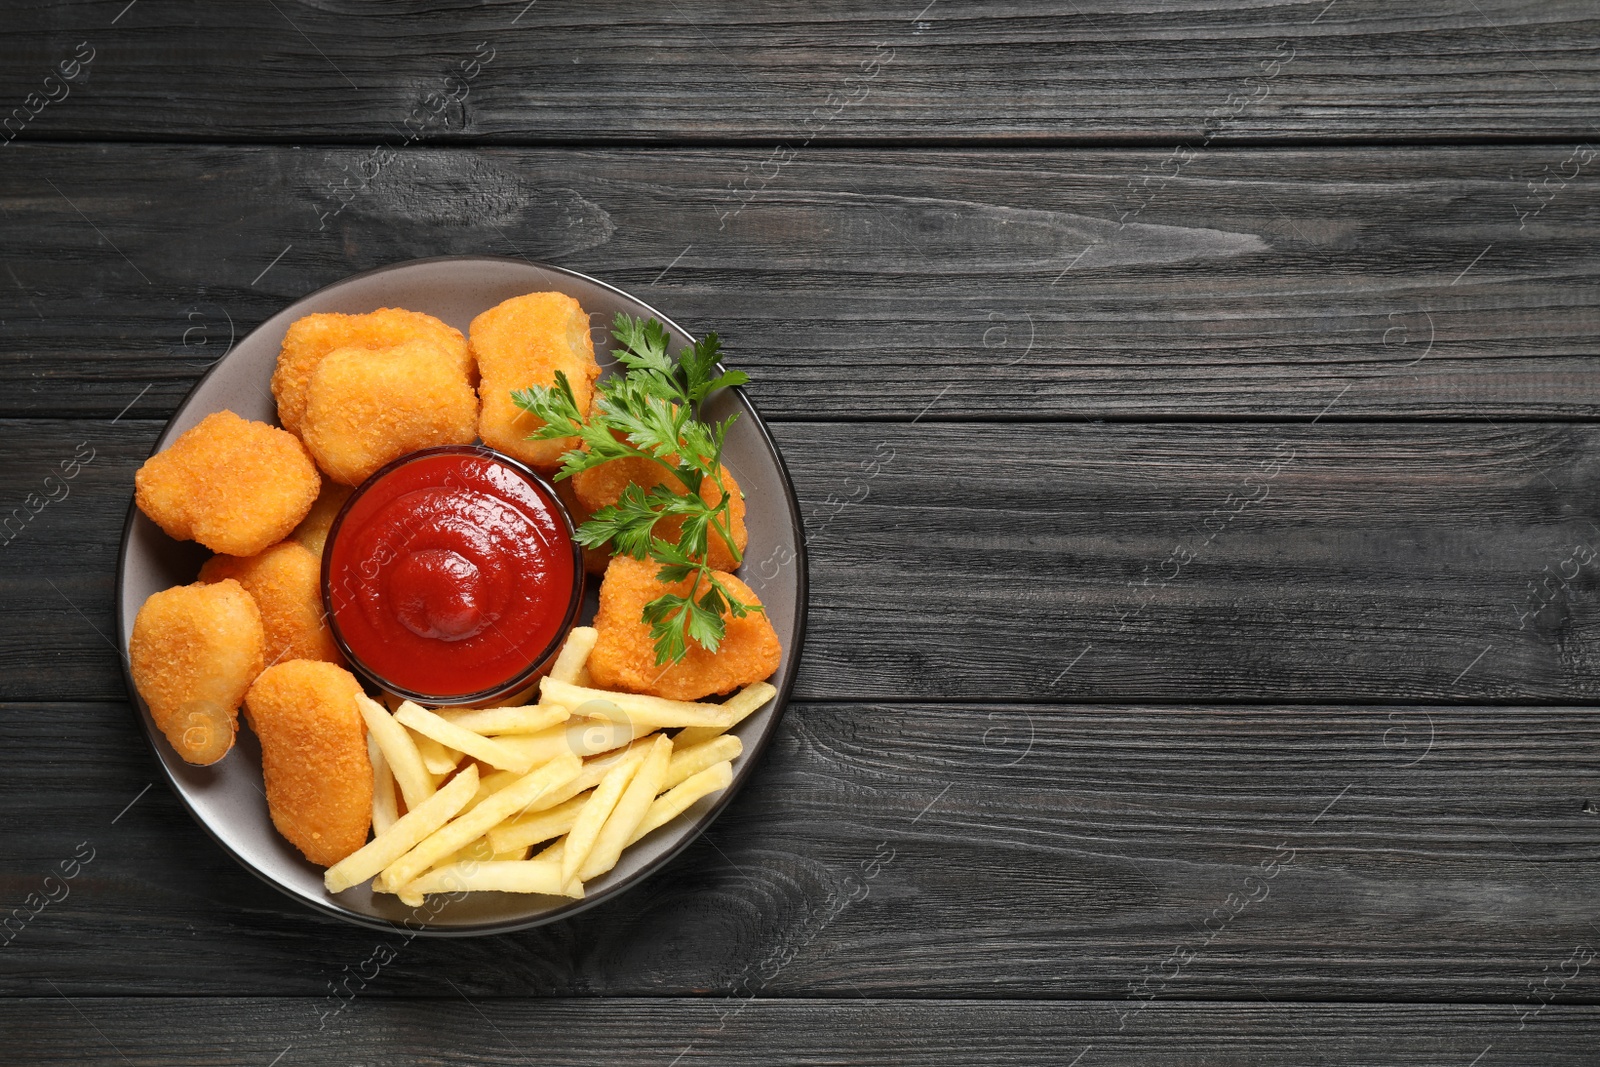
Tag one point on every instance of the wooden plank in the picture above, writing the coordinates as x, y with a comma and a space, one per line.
221, 1032
1020, 70
1411, 282
1131, 855
1431, 563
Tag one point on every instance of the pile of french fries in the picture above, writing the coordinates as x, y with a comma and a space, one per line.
584, 773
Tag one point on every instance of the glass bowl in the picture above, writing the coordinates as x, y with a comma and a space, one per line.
532, 662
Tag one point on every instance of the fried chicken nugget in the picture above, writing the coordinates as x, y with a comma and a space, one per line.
309, 340
600, 486
286, 583
522, 342
367, 407
313, 757
624, 657
193, 653
235, 486
313, 529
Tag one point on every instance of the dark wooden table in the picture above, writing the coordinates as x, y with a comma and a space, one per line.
1207, 674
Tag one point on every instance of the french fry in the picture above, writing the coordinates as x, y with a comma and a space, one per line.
385, 810
575, 653
405, 763
628, 813
450, 735
500, 876
584, 737
540, 826
544, 745
594, 770
581, 838
687, 762
490, 784
676, 801
524, 720
633, 707
475, 833
548, 800
435, 757
475, 851
595, 766
601, 738
451, 837
738, 707
409, 830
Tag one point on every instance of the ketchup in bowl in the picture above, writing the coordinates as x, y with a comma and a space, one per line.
451, 576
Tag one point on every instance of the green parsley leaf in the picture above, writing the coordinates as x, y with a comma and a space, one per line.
706, 627
554, 404
699, 364
664, 614
652, 411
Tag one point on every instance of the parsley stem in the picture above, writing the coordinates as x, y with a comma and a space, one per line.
727, 538
688, 608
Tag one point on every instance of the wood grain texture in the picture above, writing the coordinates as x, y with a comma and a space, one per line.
1133, 855
332, 69
1327, 562
1204, 631
868, 1032
864, 284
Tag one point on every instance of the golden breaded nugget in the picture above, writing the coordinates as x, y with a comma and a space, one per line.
624, 657
310, 339
193, 653
314, 757
234, 486
600, 486
522, 342
286, 583
313, 529
367, 407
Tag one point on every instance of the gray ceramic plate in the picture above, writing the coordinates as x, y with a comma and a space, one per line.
227, 798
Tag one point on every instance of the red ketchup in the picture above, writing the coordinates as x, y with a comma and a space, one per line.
452, 575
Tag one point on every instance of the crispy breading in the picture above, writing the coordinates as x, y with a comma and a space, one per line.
522, 342
600, 486
367, 407
309, 340
624, 657
286, 583
313, 757
313, 529
193, 653
233, 485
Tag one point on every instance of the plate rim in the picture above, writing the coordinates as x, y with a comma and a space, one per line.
749, 758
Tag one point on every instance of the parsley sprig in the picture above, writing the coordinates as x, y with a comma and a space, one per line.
652, 411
